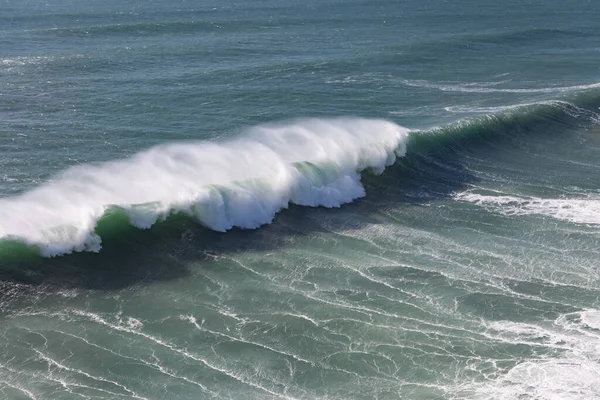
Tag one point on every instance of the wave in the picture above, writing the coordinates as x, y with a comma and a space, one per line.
137, 29
544, 117
246, 181
238, 183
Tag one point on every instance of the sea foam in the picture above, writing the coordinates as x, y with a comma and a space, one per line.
567, 368
577, 210
241, 183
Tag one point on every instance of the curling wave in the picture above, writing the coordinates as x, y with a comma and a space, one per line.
246, 181
238, 183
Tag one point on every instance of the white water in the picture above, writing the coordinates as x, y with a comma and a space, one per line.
577, 210
237, 183
573, 373
484, 87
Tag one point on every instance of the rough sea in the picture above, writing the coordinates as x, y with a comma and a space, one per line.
319, 199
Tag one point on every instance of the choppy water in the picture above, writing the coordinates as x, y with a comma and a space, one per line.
303, 200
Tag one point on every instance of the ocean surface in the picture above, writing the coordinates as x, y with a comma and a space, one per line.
320, 199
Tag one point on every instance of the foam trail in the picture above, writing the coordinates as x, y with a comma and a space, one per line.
485, 87
238, 183
579, 210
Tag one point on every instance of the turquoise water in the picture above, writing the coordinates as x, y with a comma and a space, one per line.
303, 200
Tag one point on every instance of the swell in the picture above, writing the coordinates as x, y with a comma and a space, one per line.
525, 36
512, 122
246, 181
137, 29
519, 39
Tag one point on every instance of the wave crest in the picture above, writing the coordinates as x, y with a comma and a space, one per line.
237, 183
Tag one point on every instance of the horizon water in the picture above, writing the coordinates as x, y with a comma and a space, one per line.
299, 200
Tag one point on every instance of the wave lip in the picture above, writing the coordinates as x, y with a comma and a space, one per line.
237, 183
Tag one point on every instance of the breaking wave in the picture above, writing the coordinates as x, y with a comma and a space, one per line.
244, 182
238, 183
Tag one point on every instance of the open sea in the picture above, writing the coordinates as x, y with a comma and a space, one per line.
319, 199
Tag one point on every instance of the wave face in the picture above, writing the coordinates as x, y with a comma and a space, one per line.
237, 183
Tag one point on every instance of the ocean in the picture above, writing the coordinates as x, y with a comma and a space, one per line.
333, 199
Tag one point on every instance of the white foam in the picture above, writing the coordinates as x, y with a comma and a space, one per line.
591, 319
18, 61
485, 87
482, 110
569, 371
242, 182
578, 210
33, 60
